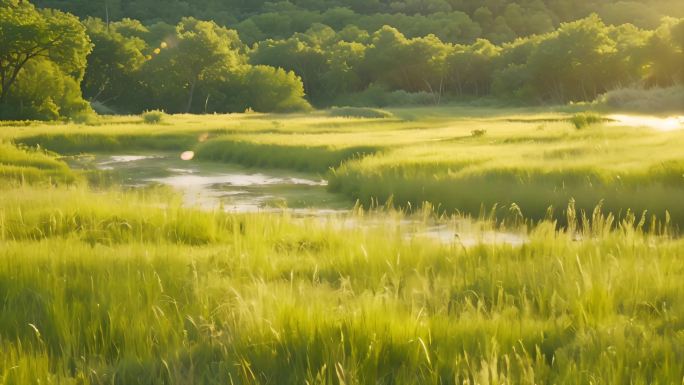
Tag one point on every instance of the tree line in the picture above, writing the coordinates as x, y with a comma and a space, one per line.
454, 21
128, 66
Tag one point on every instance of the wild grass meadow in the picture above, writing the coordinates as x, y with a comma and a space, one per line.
341, 192
102, 284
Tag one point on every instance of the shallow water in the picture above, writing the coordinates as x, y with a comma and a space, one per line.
239, 189
671, 123
235, 188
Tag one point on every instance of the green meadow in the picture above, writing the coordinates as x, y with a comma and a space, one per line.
461, 160
103, 284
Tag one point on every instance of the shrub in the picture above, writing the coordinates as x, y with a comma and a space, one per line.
262, 89
668, 99
153, 117
585, 119
478, 133
360, 112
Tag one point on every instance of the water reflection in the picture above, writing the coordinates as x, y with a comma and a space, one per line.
235, 188
238, 189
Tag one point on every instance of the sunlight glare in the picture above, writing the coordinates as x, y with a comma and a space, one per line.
671, 123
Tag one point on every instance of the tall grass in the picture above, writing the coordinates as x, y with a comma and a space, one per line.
360, 112
532, 158
585, 119
298, 157
76, 143
273, 299
32, 165
128, 287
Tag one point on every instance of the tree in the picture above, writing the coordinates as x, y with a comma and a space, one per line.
665, 53
470, 68
412, 65
29, 35
573, 64
114, 62
344, 61
200, 49
308, 61
267, 89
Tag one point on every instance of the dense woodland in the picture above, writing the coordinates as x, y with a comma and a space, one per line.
207, 56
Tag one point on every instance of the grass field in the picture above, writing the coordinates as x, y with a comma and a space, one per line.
459, 159
101, 285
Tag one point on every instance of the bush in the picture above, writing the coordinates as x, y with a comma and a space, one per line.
153, 117
360, 112
262, 89
670, 99
84, 118
585, 119
478, 133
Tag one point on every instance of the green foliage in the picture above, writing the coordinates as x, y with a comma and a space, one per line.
585, 119
42, 60
451, 20
113, 64
153, 117
268, 89
302, 57
359, 112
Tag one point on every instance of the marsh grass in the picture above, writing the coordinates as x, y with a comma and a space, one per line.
298, 157
32, 165
533, 158
77, 143
360, 112
109, 286
264, 299
585, 119
434, 158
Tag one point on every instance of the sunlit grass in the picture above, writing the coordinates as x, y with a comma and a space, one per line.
272, 299
534, 158
20, 165
107, 286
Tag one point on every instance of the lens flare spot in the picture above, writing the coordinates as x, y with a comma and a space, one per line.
187, 155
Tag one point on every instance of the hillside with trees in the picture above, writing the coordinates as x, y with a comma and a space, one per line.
210, 56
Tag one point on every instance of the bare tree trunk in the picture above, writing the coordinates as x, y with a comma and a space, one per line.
107, 15
192, 94
7, 83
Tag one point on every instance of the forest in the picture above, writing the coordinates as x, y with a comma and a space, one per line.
279, 57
